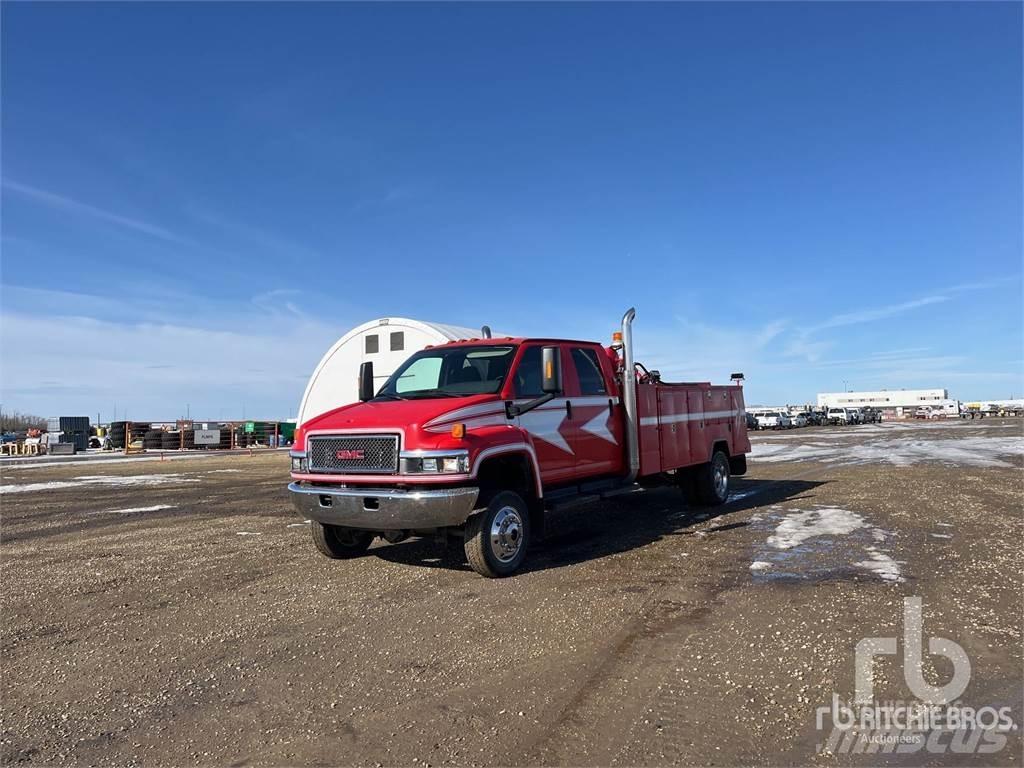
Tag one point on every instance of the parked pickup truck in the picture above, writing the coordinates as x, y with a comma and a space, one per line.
773, 420
478, 441
839, 416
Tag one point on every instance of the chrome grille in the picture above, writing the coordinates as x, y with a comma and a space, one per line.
354, 454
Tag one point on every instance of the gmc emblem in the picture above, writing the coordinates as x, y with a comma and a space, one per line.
350, 455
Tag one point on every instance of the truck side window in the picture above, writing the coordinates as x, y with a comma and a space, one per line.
372, 344
397, 341
588, 371
528, 375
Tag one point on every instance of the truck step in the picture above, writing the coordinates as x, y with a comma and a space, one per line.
577, 495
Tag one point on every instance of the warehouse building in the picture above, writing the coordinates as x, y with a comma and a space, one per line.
893, 402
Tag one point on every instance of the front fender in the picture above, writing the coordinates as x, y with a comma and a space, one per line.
508, 439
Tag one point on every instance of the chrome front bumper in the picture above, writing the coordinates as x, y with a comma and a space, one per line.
384, 509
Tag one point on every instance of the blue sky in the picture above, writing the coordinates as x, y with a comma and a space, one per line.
198, 199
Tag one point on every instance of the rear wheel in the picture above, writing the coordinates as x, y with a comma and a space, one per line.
496, 537
713, 480
339, 543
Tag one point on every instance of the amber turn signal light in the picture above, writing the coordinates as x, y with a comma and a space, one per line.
458, 431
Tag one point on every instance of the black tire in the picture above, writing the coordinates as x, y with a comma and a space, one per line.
687, 482
508, 517
713, 481
340, 543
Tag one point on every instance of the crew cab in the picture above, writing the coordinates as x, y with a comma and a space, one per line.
479, 441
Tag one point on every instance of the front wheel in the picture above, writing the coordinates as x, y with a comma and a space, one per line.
340, 543
496, 537
713, 481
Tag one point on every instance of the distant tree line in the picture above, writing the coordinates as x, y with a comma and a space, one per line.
14, 421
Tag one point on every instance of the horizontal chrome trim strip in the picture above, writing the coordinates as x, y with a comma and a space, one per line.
419, 453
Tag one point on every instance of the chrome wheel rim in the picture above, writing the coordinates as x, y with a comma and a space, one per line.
506, 534
721, 480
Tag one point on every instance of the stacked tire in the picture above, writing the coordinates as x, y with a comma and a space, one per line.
152, 438
118, 436
170, 441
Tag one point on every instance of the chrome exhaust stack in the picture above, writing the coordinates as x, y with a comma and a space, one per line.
629, 396
485, 332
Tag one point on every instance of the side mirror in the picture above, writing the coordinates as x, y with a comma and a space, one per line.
366, 381
551, 363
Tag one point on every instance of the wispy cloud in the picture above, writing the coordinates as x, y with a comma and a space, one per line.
70, 205
247, 236
871, 314
280, 301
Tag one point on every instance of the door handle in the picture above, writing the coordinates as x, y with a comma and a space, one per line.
568, 410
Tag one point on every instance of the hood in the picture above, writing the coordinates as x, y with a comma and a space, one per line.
390, 414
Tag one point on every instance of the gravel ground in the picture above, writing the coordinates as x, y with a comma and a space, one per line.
171, 613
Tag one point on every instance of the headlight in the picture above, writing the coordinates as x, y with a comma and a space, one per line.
454, 464
300, 464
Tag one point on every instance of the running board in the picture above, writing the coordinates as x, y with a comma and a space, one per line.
575, 496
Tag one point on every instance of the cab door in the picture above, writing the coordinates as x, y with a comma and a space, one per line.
596, 431
548, 424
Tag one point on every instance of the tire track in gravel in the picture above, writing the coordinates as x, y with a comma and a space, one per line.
617, 686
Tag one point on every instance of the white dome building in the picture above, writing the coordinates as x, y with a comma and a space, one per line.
387, 341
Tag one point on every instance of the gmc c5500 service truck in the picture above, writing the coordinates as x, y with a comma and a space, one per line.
481, 439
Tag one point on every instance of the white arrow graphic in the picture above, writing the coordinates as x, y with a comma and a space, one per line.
543, 424
598, 426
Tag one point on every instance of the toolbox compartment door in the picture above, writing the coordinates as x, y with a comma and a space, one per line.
675, 434
698, 448
648, 429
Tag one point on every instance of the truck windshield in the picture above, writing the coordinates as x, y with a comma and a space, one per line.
449, 372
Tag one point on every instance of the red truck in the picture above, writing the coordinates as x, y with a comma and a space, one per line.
478, 441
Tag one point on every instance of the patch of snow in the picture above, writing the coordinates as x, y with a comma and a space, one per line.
737, 495
29, 487
113, 480
789, 542
828, 521
941, 535
971, 451
946, 525
881, 564
249, 533
32, 462
133, 510
303, 524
